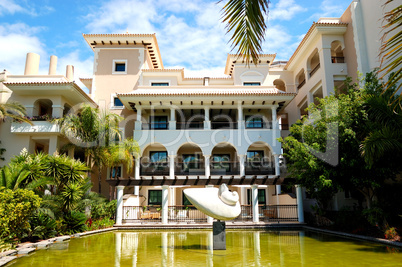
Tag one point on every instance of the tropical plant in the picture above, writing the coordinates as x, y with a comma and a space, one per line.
349, 171
383, 132
16, 207
246, 20
74, 222
95, 132
391, 48
13, 110
42, 226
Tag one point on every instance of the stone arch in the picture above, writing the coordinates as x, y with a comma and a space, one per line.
43, 107
337, 55
280, 84
300, 79
313, 62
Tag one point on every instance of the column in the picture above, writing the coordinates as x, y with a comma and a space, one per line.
207, 165
119, 210
165, 201
240, 121
171, 166
328, 77
53, 144
57, 111
254, 191
209, 218
299, 199
138, 122
207, 122
70, 152
274, 118
242, 159
172, 121
137, 168
277, 173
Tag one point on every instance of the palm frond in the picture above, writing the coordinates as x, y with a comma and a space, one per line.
245, 19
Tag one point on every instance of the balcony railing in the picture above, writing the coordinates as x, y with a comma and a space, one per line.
315, 70
259, 168
190, 170
155, 126
337, 59
189, 214
190, 125
301, 84
223, 125
154, 168
225, 168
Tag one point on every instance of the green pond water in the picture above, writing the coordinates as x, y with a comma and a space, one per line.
193, 248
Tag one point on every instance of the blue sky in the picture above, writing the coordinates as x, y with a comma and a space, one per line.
190, 34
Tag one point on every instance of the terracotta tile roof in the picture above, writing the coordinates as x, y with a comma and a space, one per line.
43, 83
206, 92
315, 24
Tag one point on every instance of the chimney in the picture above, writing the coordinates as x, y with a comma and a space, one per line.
32, 64
52, 65
70, 72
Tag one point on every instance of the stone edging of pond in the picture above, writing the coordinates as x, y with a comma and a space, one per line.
361, 237
25, 249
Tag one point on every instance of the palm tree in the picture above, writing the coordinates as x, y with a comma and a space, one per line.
383, 140
124, 153
391, 49
246, 19
95, 132
13, 110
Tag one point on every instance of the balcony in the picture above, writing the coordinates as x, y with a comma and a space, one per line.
190, 125
223, 125
154, 169
259, 168
37, 127
315, 69
301, 84
225, 168
337, 59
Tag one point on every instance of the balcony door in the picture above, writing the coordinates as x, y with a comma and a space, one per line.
191, 161
221, 162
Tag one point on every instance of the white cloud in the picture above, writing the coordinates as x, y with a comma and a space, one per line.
189, 34
329, 8
8, 6
16, 40
11, 7
285, 10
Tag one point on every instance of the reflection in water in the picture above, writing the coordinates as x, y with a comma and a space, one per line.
194, 248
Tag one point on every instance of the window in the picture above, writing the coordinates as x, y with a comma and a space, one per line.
119, 66
158, 156
186, 202
251, 84
116, 172
117, 102
221, 161
160, 84
159, 122
261, 197
191, 162
154, 197
257, 155
254, 122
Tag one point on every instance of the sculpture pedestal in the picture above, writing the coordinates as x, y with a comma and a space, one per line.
219, 232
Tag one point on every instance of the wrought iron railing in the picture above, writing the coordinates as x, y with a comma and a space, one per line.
338, 59
301, 84
154, 168
189, 214
315, 70
259, 168
225, 168
155, 126
190, 125
223, 125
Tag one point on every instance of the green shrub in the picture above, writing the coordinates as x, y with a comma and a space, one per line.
100, 223
74, 222
42, 226
103, 210
16, 207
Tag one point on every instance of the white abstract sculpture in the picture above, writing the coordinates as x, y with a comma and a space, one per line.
219, 203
